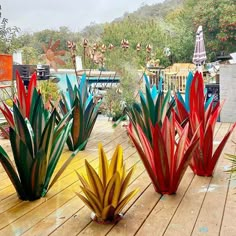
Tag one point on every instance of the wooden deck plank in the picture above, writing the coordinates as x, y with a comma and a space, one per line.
59, 213
212, 210
158, 220
228, 225
78, 160
89, 230
63, 187
63, 213
137, 214
186, 215
80, 219
48, 205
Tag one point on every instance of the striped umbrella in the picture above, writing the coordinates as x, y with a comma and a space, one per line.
199, 56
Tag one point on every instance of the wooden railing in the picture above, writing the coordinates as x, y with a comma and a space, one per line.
174, 82
170, 80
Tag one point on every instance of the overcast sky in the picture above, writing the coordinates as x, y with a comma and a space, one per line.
31, 15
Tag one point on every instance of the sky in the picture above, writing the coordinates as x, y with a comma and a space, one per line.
31, 15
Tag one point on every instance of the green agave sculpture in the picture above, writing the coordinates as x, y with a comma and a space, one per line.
154, 106
37, 143
84, 111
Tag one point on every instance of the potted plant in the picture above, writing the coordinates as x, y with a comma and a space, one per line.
202, 116
104, 192
84, 112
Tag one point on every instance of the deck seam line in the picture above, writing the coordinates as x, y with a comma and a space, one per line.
73, 198
226, 198
53, 195
179, 204
205, 195
158, 200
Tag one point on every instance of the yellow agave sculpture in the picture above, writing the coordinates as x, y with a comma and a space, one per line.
104, 192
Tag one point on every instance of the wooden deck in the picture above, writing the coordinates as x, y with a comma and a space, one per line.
202, 206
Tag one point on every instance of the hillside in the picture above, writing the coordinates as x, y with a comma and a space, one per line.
157, 10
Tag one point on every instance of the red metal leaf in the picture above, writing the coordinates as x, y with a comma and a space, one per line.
31, 87
143, 158
21, 93
218, 151
160, 158
181, 111
208, 145
8, 115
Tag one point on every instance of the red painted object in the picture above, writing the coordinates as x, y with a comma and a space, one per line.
165, 159
23, 99
203, 120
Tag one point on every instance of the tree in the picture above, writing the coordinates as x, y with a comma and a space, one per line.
7, 35
219, 21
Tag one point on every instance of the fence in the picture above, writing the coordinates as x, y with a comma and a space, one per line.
174, 82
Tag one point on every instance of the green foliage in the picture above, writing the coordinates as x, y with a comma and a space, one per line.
219, 24
171, 24
126, 68
113, 103
232, 159
31, 44
49, 90
7, 35
30, 55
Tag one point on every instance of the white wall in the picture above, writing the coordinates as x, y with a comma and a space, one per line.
228, 92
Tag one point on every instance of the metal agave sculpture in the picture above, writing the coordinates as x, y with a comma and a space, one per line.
153, 107
23, 100
37, 143
84, 112
104, 193
202, 116
165, 158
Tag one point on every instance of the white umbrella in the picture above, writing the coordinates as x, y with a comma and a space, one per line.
199, 56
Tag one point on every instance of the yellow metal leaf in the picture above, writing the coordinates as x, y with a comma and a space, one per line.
83, 181
108, 213
85, 200
126, 183
93, 200
117, 188
125, 201
122, 174
108, 195
116, 162
103, 165
94, 180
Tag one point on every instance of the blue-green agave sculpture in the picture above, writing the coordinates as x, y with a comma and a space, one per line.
153, 107
84, 111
